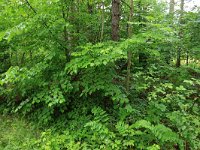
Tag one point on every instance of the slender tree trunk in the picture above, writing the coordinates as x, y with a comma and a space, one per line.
90, 8
142, 55
31, 55
178, 61
182, 8
102, 20
65, 32
90, 29
70, 34
187, 57
167, 55
17, 58
10, 58
22, 59
129, 53
115, 19
79, 25
171, 8
130, 29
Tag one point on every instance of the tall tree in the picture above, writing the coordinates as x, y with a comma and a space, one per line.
141, 11
167, 53
171, 7
65, 34
102, 20
178, 61
115, 19
129, 54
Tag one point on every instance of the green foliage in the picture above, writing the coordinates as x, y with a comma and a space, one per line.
60, 69
96, 134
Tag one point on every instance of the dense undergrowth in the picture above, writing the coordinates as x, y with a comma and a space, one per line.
99, 75
162, 113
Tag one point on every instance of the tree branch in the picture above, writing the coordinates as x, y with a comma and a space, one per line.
126, 4
45, 24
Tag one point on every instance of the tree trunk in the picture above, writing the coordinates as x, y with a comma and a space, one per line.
187, 57
70, 34
129, 53
102, 21
65, 33
171, 8
90, 8
178, 61
22, 59
115, 19
31, 55
142, 55
167, 56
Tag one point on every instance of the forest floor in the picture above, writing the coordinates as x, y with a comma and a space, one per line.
14, 132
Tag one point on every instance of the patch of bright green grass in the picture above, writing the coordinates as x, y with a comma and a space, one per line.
16, 134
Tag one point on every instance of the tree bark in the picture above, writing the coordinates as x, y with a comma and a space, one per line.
70, 34
90, 8
187, 57
142, 55
22, 59
171, 8
167, 56
102, 21
65, 31
115, 19
178, 61
129, 53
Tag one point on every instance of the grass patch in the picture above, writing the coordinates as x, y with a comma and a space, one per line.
16, 134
